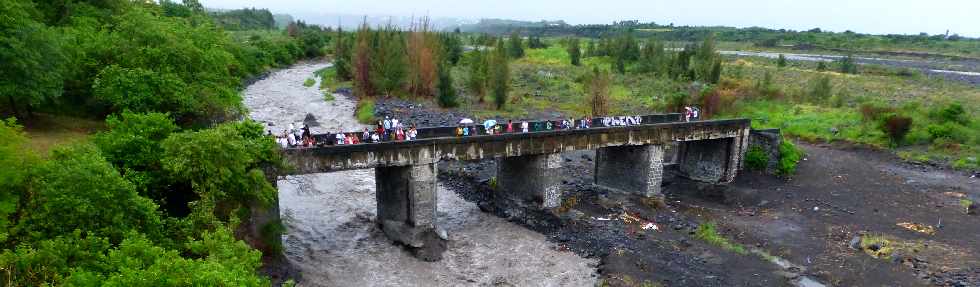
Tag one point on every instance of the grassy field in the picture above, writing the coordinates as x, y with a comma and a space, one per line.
853, 108
45, 131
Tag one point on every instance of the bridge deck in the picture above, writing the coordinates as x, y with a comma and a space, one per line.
429, 150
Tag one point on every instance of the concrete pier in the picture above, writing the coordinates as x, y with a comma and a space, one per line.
529, 181
630, 169
407, 207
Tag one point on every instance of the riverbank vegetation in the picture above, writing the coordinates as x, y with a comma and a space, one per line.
921, 118
159, 193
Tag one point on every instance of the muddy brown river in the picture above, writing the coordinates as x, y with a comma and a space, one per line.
331, 236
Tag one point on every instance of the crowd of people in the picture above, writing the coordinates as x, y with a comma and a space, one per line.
490, 126
293, 137
391, 129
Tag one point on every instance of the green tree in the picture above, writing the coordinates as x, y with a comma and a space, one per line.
17, 162
715, 75
78, 259
447, 92
478, 74
499, 75
515, 48
363, 62
574, 51
223, 165
820, 89
452, 47
217, 260
79, 190
705, 59
654, 58
389, 68
597, 87
846, 65
133, 146
781, 61
342, 56
32, 58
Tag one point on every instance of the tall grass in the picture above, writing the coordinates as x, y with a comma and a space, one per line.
707, 232
365, 112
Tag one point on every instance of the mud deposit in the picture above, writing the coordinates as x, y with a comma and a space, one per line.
332, 239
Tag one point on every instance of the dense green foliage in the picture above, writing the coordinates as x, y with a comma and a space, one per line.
574, 51
155, 199
244, 19
447, 92
32, 55
789, 156
755, 36
80, 209
499, 75
103, 57
756, 159
515, 46
365, 112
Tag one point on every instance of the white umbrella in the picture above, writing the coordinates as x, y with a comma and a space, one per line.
466, 121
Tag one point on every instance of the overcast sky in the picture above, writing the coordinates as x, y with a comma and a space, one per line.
865, 16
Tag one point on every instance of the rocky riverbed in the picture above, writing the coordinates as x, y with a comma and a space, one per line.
795, 231
332, 239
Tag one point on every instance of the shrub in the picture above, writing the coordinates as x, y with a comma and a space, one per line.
951, 113
874, 112
789, 156
968, 206
938, 131
447, 97
820, 89
365, 111
781, 61
766, 88
309, 82
966, 163
896, 127
847, 65
708, 233
756, 159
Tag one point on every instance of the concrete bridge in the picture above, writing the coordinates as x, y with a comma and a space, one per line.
628, 159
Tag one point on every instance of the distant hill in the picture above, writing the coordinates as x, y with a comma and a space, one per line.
352, 21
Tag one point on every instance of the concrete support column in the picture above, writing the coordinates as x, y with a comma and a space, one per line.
631, 169
712, 161
529, 181
407, 207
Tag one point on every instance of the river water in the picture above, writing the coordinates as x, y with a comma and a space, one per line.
331, 236
965, 71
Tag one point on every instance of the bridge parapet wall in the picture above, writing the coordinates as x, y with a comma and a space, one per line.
426, 151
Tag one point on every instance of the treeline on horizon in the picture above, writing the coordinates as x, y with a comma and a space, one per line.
760, 37
162, 197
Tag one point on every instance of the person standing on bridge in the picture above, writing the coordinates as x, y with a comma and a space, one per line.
510, 126
412, 133
387, 126
466, 130
524, 126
